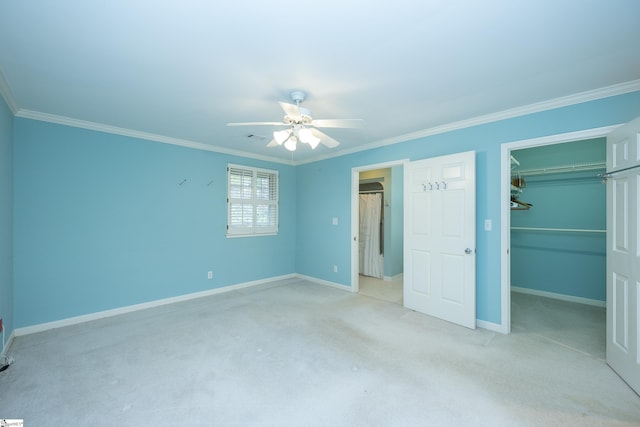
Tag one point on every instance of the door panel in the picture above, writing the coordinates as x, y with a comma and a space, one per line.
621, 312
453, 211
453, 272
623, 253
420, 279
440, 237
421, 209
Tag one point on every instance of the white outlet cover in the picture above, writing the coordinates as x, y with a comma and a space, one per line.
334, 221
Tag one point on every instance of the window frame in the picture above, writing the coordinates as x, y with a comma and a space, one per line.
246, 198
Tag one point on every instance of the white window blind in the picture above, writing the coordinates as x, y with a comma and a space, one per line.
252, 201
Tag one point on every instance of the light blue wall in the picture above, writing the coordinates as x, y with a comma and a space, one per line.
324, 188
6, 218
564, 263
101, 222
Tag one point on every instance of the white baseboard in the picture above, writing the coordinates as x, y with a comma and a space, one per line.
570, 298
157, 303
399, 276
325, 282
136, 307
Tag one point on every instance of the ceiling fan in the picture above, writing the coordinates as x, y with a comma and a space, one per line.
301, 127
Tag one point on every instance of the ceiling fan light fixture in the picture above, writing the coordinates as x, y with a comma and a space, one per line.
300, 126
280, 136
305, 135
314, 143
290, 144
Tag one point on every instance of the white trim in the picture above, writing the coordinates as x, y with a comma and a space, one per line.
136, 307
83, 124
399, 276
490, 326
565, 101
355, 217
324, 282
505, 212
5, 92
592, 95
562, 297
558, 230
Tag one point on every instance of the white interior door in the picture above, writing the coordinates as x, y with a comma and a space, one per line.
623, 253
440, 237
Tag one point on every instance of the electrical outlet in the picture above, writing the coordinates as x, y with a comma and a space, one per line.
209, 274
335, 268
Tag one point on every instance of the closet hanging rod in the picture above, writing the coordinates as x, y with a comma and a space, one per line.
562, 169
372, 192
562, 230
608, 175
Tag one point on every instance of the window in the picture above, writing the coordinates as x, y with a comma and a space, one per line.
252, 201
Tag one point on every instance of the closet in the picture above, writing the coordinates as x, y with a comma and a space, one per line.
558, 221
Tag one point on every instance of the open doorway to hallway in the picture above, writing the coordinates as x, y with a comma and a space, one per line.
377, 216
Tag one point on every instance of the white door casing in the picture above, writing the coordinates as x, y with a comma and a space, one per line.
623, 253
440, 238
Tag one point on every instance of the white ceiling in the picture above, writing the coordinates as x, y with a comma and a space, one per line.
178, 71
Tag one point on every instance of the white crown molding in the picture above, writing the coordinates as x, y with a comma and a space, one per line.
67, 121
565, 101
592, 95
5, 92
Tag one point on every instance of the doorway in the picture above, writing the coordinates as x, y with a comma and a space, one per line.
385, 180
506, 223
558, 244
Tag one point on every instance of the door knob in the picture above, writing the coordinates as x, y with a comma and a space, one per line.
468, 251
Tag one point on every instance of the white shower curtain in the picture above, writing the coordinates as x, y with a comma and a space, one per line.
371, 260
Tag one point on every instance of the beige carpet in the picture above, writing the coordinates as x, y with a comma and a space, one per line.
300, 354
386, 290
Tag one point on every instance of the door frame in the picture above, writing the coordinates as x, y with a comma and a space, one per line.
355, 214
505, 211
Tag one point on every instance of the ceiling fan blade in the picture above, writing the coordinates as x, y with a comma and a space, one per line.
338, 123
324, 138
290, 109
273, 143
257, 124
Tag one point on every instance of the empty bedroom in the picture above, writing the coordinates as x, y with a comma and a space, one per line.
292, 213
